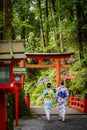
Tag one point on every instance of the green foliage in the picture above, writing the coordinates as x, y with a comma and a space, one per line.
84, 62
26, 14
79, 73
23, 109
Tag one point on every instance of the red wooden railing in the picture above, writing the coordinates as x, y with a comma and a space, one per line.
78, 103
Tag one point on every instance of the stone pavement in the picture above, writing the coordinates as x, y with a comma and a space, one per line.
75, 120
39, 110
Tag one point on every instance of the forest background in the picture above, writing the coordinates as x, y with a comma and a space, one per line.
49, 26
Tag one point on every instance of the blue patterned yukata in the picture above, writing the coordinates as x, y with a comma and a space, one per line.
48, 96
62, 95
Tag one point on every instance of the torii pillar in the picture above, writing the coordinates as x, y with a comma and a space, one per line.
57, 72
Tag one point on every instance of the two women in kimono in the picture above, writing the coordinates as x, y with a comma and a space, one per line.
47, 98
62, 96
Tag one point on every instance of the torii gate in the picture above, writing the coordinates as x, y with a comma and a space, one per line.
41, 56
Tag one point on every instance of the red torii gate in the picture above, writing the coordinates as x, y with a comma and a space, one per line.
41, 56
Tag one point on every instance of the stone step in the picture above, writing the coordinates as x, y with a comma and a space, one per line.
39, 110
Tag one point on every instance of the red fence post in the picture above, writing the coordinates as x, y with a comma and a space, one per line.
27, 100
85, 103
78, 103
71, 99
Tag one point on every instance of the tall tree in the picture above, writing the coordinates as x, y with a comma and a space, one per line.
1, 20
81, 13
52, 5
47, 24
7, 17
60, 30
79, 26
41, 23
23, 27
7, 11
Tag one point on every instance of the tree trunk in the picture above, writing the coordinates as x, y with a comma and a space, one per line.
7, 18
1, 20
60, 32
79, 26
41, 24
7, 11
23, 27
52, 4
47, 24
60, 37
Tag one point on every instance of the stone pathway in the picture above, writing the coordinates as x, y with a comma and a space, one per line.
73, 122
39, 110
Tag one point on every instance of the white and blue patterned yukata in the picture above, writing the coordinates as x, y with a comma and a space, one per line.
48, 96
62, 95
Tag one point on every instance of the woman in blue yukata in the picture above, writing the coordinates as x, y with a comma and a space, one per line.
62, 96
47, 98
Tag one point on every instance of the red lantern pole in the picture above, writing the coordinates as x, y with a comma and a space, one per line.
16, 108
2, 112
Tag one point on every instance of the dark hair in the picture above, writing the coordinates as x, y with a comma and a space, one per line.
49, 85
62, 82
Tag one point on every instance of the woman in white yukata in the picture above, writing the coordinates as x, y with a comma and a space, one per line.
47, 98
62, 96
